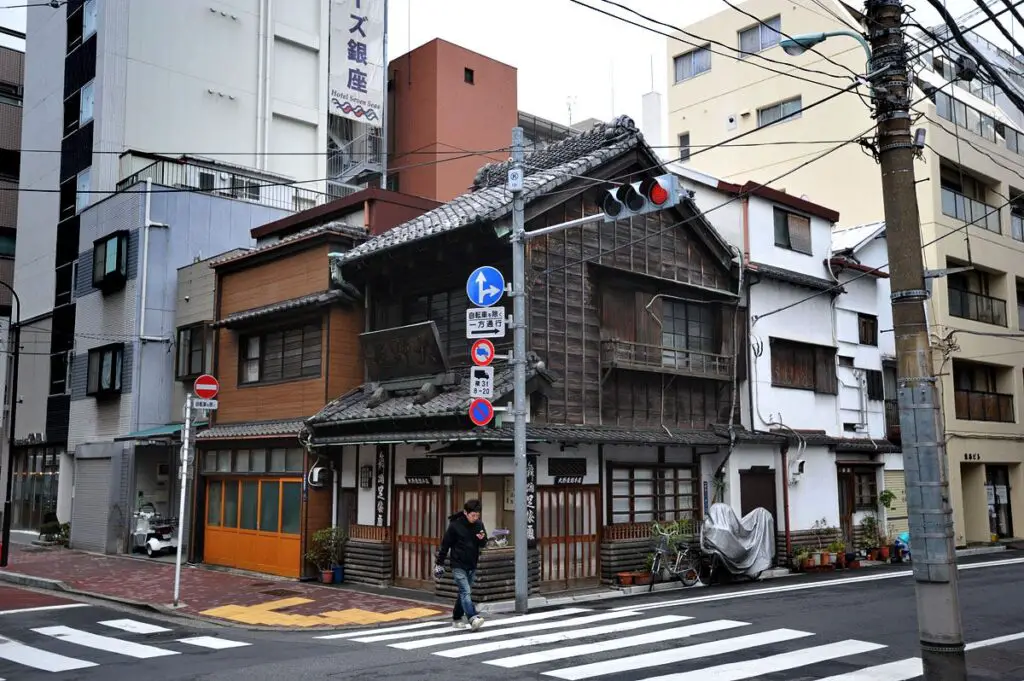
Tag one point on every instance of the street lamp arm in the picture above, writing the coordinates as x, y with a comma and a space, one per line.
799, 44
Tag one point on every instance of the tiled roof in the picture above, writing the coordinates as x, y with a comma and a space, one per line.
538, 433
797, 278
852, 238
846, 444
310, 300
546, 170
252, 429
339, 228
355, 406
749, 436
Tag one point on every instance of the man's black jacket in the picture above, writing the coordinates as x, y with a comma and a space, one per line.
461, 540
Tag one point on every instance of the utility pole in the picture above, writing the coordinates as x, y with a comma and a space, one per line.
924, 452
515, 185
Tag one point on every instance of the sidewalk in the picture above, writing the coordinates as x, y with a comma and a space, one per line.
252, 601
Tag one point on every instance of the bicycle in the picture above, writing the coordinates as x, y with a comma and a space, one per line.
687, 564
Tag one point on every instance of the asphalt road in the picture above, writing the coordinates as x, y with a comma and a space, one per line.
791, 629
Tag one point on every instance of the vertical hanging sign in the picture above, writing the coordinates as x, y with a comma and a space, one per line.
380, 502
357, 69
531, 500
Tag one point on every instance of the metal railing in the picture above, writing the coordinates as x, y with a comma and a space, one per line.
224, 182
974, 405
629, 355
360, 156
962, 208
977, 307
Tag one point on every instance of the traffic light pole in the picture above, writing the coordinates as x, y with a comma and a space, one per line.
924, 454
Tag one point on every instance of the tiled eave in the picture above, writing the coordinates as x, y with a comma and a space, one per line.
311, 300
840, 263
251, 430
795, 278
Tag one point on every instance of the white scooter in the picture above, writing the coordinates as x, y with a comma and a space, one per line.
153, 533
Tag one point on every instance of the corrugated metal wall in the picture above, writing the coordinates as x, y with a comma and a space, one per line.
90, 511
897, 515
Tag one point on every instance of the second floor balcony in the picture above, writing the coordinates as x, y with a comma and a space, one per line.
977, 307
619, 354
975, 405
965, 209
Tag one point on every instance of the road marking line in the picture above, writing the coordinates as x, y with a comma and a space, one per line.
212, 642
813, 585
560, 636
134, 626
44, 608
619, 643
901, 670
749, 669
673, 655
477, 635
19, 653
995, 641
495, 623
387, 630
106, 643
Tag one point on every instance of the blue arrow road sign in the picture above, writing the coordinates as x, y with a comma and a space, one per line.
485, 286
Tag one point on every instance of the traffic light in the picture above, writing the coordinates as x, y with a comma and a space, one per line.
639, 198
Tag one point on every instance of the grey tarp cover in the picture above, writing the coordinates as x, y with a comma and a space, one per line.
746, 545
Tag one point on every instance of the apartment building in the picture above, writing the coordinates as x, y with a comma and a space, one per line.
227, 81
968, 189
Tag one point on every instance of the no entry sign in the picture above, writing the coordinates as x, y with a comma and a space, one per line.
206, 387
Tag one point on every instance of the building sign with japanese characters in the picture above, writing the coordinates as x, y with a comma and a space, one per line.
381, 483
531, 500
357, 69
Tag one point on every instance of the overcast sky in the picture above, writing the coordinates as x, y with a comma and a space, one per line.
564, 52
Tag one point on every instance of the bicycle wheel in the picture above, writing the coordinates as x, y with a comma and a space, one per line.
688, 571
655, 571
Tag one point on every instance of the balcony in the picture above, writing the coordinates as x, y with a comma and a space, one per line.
892, 421
356, 161
977, 307
968, 210
619, 354
974, 405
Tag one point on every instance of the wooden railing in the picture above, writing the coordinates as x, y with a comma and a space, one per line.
638, 356
369, 533
973, 405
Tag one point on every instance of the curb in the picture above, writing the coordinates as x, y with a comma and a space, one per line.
46, 584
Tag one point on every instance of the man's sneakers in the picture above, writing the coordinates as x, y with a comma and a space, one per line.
459, 624
476, 623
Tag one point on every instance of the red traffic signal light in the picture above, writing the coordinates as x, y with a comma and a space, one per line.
638, 198
654, 191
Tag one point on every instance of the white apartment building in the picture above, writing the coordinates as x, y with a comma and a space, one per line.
814, 378
968, 186
235, 81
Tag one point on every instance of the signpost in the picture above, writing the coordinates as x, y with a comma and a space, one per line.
485, 286
485, 322
481, 382
205, 389
482, 352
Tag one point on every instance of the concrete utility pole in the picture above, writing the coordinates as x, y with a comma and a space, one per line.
515, 184
924, 452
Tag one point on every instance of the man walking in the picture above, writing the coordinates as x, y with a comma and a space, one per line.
463, 539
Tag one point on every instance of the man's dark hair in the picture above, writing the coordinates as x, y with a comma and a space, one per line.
472, 506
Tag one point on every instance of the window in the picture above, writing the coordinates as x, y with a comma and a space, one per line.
85, 103
105, 370
279, 460
244, 188
867, 325
876, 385
804, 366
792, 231
693, 63
467, 75
191, 351
649, 492
760, 37
89, 17
12, 94
280, 355
82, 187
865, 490
788, 109
110, 261
684, 147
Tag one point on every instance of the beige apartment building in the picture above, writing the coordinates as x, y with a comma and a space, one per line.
970, 176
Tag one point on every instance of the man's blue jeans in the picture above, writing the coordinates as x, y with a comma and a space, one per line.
464, 601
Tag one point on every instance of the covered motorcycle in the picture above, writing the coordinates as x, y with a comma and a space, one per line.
745, 546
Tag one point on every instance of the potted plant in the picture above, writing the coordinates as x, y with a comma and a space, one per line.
802, 559
321, 553
869, 536
338, 540
885, 498
837, 551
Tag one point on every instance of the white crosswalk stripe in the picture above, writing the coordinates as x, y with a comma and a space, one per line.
33, 648
575, 644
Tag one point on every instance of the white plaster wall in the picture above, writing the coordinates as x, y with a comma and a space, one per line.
876, 254
761, 216
861, 297
814, 494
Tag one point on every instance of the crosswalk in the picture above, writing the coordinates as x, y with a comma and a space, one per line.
576, 644
64, 649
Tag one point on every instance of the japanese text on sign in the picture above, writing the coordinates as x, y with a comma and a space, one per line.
485, 322
381, 497
481, 382
531, 499
357, 60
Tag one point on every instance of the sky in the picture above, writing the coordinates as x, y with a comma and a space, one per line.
566, 54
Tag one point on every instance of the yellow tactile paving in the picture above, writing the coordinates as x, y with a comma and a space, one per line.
267, 614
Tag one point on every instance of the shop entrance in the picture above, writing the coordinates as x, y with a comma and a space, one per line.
418, 522
567, 534
997, 491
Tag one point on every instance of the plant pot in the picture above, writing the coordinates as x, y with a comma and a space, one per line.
816, 558
625, 578
839, 560
339, 573
327, 576
808, 563
642, 578
833, 558
826, 558
883, 553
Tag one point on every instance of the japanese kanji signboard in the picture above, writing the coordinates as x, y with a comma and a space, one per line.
357, 60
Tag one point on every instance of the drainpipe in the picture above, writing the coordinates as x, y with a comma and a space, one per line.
785, 499
144, 281
335, 479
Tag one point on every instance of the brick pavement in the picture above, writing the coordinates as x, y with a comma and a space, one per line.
14, 598
214, 594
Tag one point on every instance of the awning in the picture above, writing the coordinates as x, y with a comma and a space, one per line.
160, 434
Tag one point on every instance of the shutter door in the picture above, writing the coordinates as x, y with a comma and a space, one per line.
897, 515
90, 510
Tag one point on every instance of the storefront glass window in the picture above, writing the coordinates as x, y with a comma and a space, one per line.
242, 461
230, 503
258, 461
293, 460
277, 460
269, 497
213, 503
291, 504
250, 505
